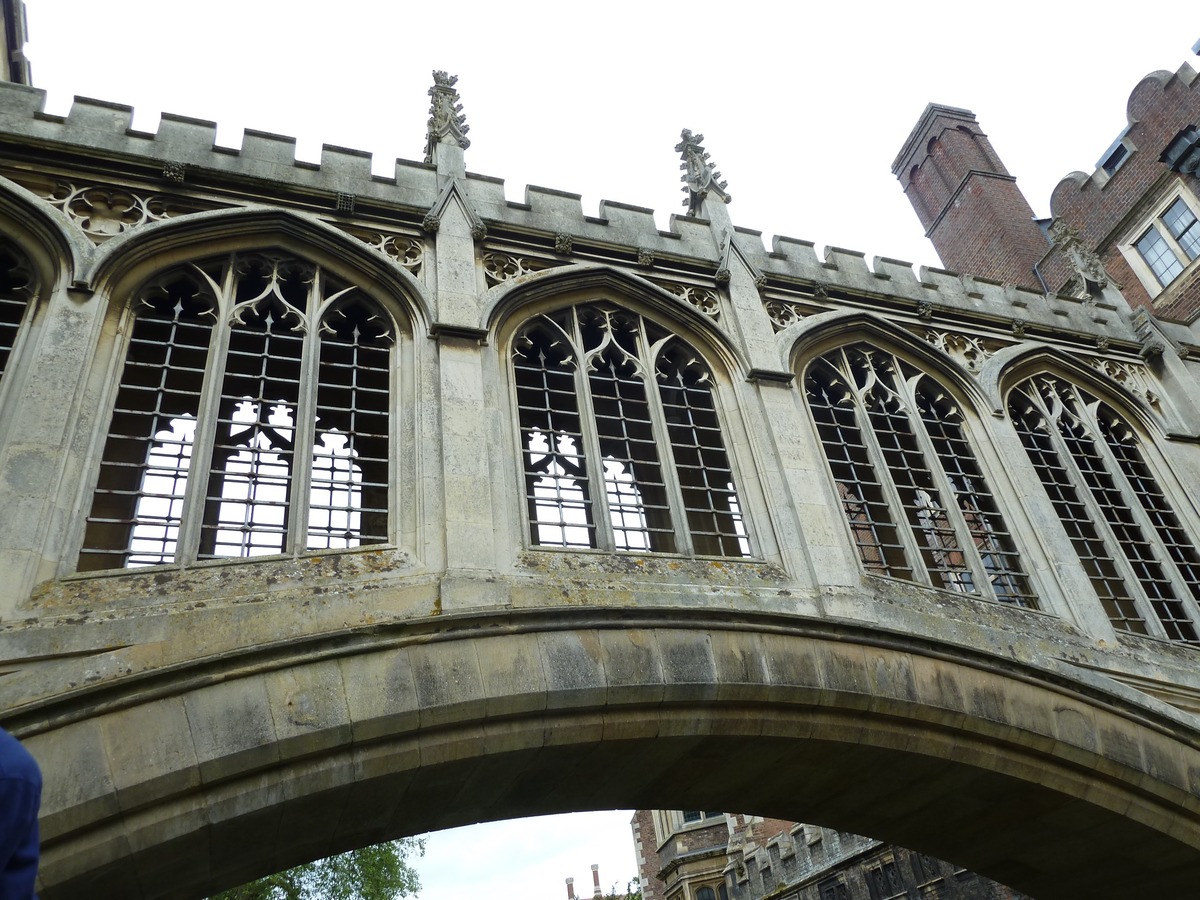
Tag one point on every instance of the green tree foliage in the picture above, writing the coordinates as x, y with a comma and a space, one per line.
381, 872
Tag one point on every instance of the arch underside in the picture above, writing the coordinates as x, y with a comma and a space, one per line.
218, 772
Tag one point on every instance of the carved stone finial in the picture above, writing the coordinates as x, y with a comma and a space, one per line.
1083, 259
447, 124
699, 176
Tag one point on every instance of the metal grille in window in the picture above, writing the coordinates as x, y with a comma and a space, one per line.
16, 292
1072, 439
883, 458
223, 380
589, 416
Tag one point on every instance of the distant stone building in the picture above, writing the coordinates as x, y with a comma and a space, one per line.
694, 855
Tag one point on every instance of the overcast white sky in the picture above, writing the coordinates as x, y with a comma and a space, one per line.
803, 110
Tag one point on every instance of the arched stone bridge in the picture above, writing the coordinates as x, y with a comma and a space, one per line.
601, 516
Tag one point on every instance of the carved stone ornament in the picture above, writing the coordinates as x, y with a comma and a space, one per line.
925, 311
970, 352
563, 243
104, 212
722, 276
1018, 328
782, 313
174, 171
703, 299
479, 231
447, 124
699, 176
1083, 259
645, 256
501, 267
1154, 343
1134, 377
1102, 344
400, 248
431, 223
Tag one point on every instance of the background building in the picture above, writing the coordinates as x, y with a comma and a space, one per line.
1135, 219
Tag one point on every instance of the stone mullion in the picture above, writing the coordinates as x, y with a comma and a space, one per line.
304, 435
962, 531
593, 459
206, 422
666, 452
887, 484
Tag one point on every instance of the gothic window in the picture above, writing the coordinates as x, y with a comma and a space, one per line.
16, 296
884, 881
914, 497
706, 893
1137, 553
620, 438
251, 418
833, 889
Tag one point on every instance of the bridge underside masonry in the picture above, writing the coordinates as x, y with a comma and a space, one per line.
339, 508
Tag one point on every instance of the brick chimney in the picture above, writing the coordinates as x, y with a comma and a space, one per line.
596, 892
570, 889
972, 210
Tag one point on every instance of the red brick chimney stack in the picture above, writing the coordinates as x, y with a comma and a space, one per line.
570, 889
596, 892
972, 210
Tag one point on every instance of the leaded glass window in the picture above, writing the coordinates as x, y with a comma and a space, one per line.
914, 497
620, 437
1140, 559
251, 418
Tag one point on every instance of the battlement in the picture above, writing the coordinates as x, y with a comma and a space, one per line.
100, 130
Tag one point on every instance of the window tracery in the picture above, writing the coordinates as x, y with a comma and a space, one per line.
241, 428
915, 499
1090, 462
620, 438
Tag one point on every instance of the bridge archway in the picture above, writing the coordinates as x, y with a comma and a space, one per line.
195, 776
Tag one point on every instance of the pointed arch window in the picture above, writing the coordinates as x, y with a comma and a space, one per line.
1141, 561
916, 502
620, 437
251, 418
16, 298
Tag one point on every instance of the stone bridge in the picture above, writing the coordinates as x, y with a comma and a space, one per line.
594, 516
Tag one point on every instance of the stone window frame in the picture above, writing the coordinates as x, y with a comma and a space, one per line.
1103, 554
229, 308
670, 822
24, 324
1128, 248
890, 503
602, 525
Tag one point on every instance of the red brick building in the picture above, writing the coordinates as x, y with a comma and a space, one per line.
1134, 221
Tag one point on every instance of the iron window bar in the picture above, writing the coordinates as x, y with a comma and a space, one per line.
607, 398
1074, 440
16, 297
223, 380
897, 450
